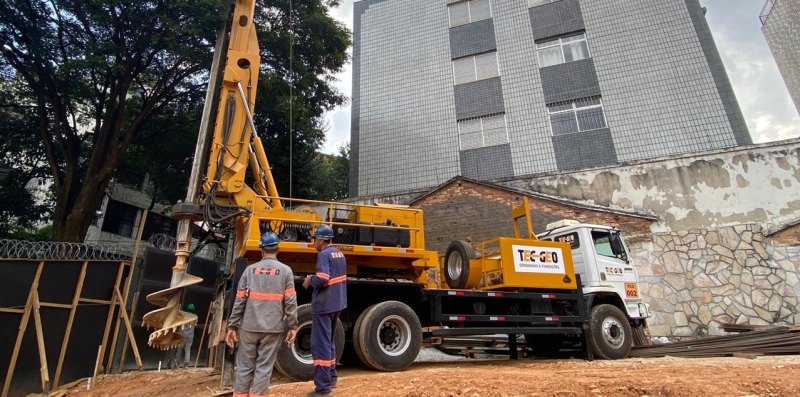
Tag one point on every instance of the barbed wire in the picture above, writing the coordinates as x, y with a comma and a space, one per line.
168, 243
57, 250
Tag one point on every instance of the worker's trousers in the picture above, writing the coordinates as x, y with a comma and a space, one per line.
254, 362
323, 351
187, 349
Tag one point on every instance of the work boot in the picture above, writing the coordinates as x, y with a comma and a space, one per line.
318, 394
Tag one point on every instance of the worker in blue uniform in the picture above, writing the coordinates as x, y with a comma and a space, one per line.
327, 301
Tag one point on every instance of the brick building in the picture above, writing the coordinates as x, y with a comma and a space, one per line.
466, 209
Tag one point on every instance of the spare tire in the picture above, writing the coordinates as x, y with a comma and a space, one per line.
457, 270
295, 360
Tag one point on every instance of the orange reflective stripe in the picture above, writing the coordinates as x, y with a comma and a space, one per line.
337, 280
265, 296
242, 293
237, 394
324, 363
289, 292
257, 395
324, 276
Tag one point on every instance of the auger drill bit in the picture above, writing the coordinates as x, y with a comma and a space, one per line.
167, 320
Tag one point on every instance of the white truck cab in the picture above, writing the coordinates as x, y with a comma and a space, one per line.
608, 275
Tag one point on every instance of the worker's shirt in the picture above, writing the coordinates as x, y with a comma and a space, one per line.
330, 282
266, 299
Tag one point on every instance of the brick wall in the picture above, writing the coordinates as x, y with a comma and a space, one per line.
788, 236
465, 210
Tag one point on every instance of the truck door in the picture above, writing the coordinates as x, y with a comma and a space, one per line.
613, 263
578, 258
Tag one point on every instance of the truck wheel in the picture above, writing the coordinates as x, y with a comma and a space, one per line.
295, 360
357, 346
611, 337
546, 345
389, 336
456, 264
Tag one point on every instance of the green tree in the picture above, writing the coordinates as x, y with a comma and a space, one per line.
21, 163
333, 171
163, 150
97, 72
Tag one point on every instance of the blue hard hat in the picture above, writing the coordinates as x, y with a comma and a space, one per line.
323, 232
269, 240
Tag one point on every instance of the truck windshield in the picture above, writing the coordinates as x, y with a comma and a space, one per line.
604, 247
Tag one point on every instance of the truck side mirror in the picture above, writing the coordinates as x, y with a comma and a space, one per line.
617, 248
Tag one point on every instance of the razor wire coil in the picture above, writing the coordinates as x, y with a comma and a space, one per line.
59, 250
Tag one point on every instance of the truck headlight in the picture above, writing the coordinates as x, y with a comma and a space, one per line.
644, 310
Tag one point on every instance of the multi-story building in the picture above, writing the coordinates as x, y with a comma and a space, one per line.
494, 89
780, 22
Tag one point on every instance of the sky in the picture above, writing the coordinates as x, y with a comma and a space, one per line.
762, 94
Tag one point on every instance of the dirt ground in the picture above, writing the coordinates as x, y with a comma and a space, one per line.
674, 377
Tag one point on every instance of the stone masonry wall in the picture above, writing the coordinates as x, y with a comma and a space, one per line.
697, 279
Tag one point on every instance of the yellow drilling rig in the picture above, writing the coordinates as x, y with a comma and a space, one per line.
222, 195
512, 286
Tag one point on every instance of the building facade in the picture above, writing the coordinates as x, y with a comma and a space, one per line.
780, 22
497, 89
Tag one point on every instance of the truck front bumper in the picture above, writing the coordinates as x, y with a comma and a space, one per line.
638, 310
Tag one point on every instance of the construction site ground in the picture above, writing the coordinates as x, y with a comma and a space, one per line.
667, 376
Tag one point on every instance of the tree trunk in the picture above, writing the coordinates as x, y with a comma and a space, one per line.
72, 218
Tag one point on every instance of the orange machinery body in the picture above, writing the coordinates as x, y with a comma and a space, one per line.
514, 263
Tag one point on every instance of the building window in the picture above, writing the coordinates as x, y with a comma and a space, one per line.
157, 224
576, 116
120, 218
535, 3
468, 12
562, 50
482, 132
475, 67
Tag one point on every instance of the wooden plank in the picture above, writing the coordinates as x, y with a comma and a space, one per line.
75, 300
122, 301
55, 305
130, 331
37, 322
11, 310
97, 362
202, 338
23, 325
111, 310
96, 301
125, 337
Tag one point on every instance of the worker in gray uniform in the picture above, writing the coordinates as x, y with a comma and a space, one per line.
265, 307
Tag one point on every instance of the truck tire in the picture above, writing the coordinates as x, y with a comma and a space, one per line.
388, 336
357, 346
295, 360
456, 264
546, 345
611, 336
